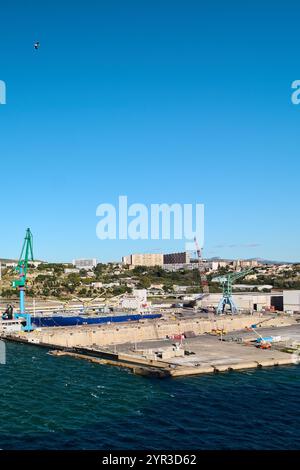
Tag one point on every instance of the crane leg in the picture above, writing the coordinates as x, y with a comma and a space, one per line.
227, 301
22, 300
233, 307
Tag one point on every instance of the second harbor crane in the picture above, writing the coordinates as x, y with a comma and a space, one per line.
227, 281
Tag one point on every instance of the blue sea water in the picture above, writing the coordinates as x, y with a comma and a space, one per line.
51, 402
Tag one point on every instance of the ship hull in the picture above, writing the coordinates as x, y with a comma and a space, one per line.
57, 321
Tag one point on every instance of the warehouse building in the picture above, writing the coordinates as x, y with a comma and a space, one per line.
249, 301
291, 301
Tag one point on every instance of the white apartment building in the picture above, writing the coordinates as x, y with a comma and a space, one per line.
83, 263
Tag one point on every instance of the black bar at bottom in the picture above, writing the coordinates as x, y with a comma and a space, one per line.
134, 459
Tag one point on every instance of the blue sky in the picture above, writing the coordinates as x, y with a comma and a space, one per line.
162, 101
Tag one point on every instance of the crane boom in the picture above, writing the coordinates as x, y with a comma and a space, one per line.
26, 255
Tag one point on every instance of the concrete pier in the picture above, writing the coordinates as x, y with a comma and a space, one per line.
143, 347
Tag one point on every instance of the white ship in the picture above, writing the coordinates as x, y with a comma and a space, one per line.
9, 326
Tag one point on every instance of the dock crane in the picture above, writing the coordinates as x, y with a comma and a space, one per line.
20, 283
86, 303
227, 281
201, 269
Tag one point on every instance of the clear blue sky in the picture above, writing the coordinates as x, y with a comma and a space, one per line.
164, 101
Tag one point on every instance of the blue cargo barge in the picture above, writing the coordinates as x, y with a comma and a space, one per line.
51, 321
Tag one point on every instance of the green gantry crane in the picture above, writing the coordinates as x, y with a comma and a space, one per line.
22, 268
227, 281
